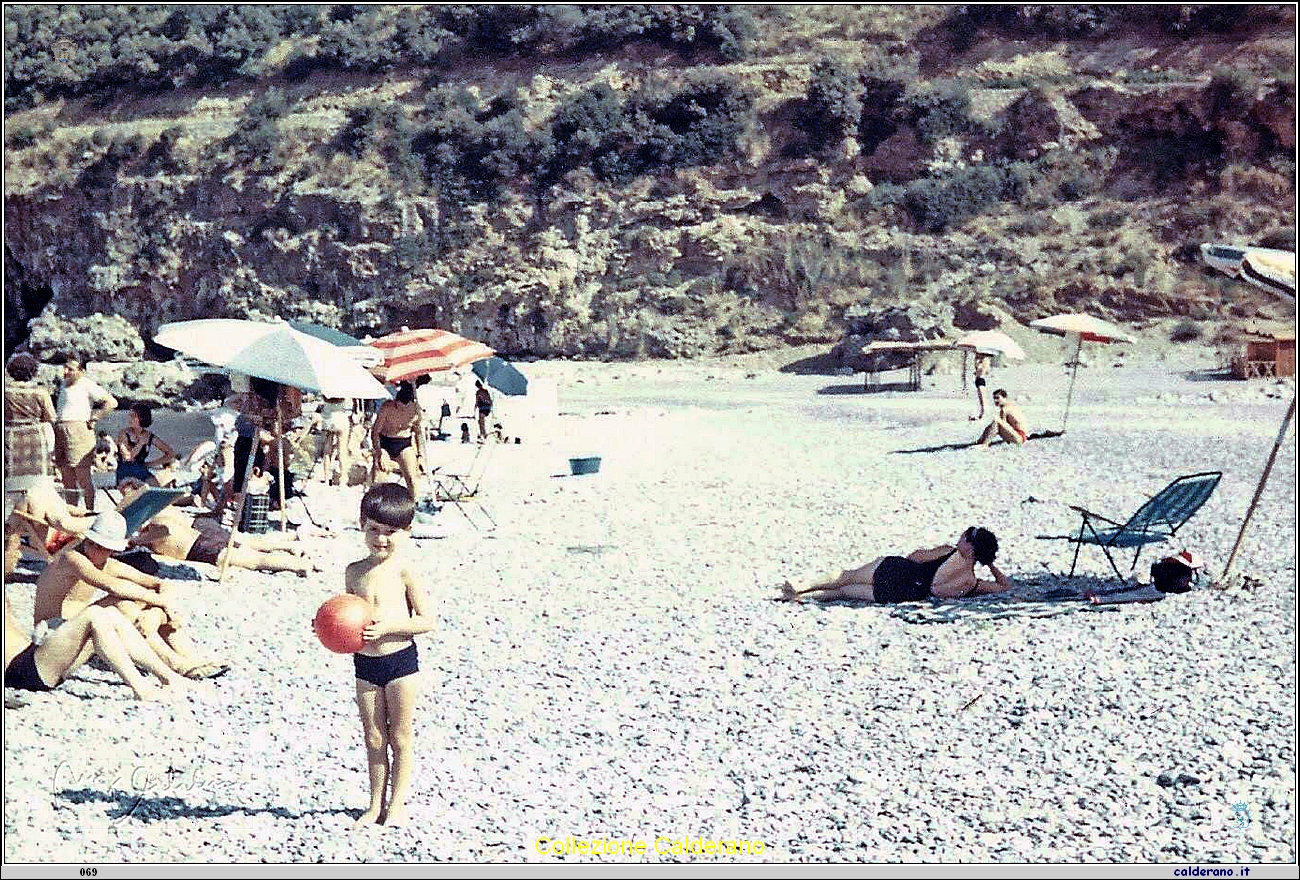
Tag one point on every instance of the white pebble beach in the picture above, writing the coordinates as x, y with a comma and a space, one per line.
609, 663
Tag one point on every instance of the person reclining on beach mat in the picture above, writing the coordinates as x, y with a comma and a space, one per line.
177, 535
77, 575
944, 572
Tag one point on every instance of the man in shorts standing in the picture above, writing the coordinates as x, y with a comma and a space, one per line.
80, 404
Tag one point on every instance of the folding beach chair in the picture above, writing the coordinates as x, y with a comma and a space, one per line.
1155, 521
463, 489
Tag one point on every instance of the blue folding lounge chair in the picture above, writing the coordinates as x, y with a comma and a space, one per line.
1157, 520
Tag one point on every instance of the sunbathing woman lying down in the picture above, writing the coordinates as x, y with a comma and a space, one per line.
944, 572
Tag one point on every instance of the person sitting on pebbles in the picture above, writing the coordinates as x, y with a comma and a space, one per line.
1009, 423
177, 535
78, 573
96, 630
944, 572
44, 520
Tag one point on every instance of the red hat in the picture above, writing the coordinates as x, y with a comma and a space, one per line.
1189, 559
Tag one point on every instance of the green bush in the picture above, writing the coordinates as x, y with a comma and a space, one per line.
1107, 220
469, 150
258, 131
1185, 331
1093, 21
937, 203
833, 106
586, 131
699, 124
939, 110
98, 50
22, 135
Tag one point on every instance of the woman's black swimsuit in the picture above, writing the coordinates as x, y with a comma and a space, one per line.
135, 467
899, 579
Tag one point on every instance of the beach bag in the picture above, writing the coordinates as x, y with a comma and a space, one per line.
256, 521
1170, 575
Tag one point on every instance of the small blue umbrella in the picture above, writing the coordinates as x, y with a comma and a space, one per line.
502, 375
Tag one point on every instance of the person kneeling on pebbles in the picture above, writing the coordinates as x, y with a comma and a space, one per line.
944, 572
97, 630
177, 535
79, 572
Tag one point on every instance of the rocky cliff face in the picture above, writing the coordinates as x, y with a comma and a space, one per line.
154, 218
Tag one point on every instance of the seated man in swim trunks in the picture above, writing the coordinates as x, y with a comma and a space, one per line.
76, 576
1009, 423
176, 535
944, 572
99, 630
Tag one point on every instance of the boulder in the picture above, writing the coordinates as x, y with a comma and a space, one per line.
158, 384
869, 323
900, 323
96, 337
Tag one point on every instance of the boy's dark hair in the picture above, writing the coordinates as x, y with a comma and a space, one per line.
74, 357
984, 543
405, 392
422, 380
1001, 392
389, 504
143, 413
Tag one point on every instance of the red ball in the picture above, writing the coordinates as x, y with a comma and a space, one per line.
340, 621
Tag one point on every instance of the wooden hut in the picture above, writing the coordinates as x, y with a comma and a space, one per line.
1270, 354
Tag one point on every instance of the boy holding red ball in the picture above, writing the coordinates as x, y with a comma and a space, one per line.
387, 683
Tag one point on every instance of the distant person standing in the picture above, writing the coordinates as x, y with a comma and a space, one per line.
983, 366
336, 421
29, 423
483, 405
1009, 423
80, 404
397, 432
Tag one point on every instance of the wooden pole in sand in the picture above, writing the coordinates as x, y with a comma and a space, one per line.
239, 513
1074, 371
1259, 490
279, 446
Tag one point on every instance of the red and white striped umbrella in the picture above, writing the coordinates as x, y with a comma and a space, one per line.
411, 353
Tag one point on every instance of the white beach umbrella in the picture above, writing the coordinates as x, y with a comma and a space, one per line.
1086, 327
277, 352
273, 351
1079, 328
992, 342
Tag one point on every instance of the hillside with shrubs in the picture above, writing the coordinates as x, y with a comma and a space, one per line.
643, 181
